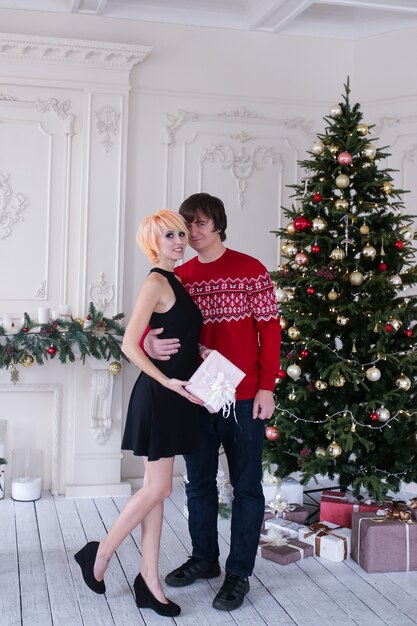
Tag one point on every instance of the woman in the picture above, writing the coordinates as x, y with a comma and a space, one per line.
162, 418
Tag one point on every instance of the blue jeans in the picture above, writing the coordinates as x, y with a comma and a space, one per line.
243, 445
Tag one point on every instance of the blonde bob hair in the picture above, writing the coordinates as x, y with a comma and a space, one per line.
151, 227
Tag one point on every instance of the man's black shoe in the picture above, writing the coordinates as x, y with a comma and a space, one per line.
232, 593
188, 572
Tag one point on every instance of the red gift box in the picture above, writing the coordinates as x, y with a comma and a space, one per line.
337, 507
383, 544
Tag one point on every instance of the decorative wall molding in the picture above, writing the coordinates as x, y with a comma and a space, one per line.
107, 125
385, 122
56, 389
299, 122
242, 137
101, 399
7, 97
242, 111
40, 292
72, 51
175, 122
410, 154
241, 165
61, 109
101, 293
10, 207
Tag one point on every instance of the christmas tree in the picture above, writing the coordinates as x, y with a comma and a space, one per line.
346, 393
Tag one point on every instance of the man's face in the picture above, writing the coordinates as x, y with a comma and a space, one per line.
202, 234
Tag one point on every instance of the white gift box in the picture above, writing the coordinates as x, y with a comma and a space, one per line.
330, 541
286, 527
215, 382
292, 491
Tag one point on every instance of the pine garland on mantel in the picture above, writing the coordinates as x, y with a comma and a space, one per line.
98, 336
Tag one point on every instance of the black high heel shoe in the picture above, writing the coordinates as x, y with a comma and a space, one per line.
146, 600
85, 559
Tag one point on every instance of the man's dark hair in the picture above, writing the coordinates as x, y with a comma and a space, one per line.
208, 206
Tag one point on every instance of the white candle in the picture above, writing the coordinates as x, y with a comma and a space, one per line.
7, 321
2, 449
26, 488
43, 315
64, 309
54, 315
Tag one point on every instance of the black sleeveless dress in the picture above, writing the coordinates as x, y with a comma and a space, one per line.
160, 423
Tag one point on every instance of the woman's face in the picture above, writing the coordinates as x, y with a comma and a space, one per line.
172, 244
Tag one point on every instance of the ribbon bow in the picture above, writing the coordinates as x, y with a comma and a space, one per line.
279, 507
273, 538
221, 392
401, 511
320, 530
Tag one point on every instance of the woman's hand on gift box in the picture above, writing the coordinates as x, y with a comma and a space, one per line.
179, 386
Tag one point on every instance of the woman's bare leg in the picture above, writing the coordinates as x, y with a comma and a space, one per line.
157, 486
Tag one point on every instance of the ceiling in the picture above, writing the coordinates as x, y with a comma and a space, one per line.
340, 19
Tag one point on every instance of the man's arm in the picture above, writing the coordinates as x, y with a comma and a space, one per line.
160, 349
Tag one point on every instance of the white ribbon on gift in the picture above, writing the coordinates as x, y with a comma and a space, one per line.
276, 540
279, 507
221, 391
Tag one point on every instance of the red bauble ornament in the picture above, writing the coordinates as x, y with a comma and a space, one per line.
272, 433
374, 416
388, 328
88, 317
25, 329
382, 266
408, 332
304, 354
301, 223
317, 197
344, 158
399, 244
311, 291
315, 249
52, 350
281, 373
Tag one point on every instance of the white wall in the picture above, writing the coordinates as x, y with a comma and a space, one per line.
206, 93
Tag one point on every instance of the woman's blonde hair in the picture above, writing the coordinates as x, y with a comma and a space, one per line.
151, 227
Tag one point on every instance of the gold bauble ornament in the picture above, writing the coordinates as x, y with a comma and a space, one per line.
334, 449
333, 295
387, 187
80, 321
283, 322
290, 228
369, 151
341, 204
322, 451
284, 247
369, 252
338, 381
115, 368
320, 385
27, 360
362, 129
407, 233
364, 229
356, 278
342, 320
342, 181
402, 382
293, 332
338, 254
332, 149
318, 225
292, 396
291, 250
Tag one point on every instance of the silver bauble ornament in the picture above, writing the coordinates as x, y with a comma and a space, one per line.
395, 323
369, 252
280, 295
373, 374
318, 148
335, 110
402, 382
294, 371
356, 278
383, 414
283, 322
338, 254
369, 151
334, 449
406, 233
395, 280
342, 181
318, 225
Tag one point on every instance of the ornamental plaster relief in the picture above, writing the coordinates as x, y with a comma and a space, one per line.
11, 207
107, 125
101, 293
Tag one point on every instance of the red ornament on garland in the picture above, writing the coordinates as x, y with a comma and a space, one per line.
281, 373
408, 332
399, 244
374, 416
317, 197
272, 433
382, 266
310, 290
52, 350
389, 328
315, 249
25, 329
301, 223
88, 317
304, 354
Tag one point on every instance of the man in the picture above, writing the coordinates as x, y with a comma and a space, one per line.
240, 320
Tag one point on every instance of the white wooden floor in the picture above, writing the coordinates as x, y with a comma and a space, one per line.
40, 583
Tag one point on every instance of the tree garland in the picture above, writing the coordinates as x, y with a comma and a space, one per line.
98, 336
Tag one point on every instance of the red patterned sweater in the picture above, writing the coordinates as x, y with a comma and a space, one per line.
240, 315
